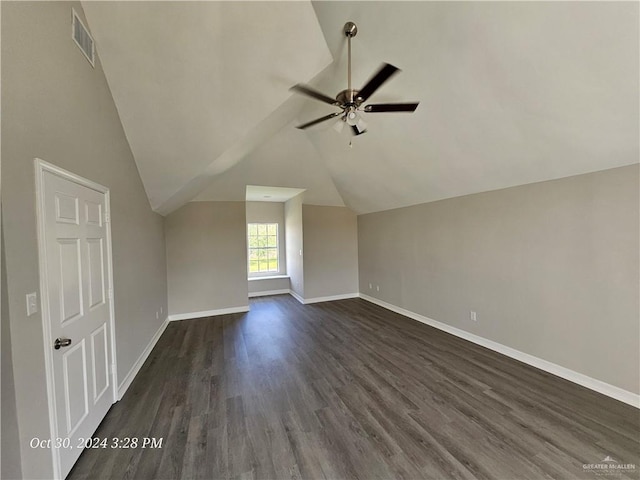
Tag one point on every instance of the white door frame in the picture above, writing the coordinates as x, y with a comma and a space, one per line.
40, 168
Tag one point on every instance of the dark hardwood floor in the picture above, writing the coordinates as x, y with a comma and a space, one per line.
349, 390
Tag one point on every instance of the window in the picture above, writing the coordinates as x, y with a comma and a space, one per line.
263, 248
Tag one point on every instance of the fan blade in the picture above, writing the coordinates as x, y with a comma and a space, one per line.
310, 92
391, 107
378, 79
318, 120
356, 131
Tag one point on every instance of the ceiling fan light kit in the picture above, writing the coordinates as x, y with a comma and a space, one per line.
350, 100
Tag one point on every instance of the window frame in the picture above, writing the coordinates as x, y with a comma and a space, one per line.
268, 273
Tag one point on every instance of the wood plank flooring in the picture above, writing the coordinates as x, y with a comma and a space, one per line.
349, 390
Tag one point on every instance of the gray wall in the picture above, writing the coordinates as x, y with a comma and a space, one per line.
550, 268
206, 257
330, 251
294, 243
258, 285
56, 107
9, 437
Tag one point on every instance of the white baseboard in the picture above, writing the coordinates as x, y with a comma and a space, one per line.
124, 386
207, 313
296, 296
284, 291
599, 386
330, 298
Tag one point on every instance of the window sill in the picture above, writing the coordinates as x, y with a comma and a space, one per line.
270, 277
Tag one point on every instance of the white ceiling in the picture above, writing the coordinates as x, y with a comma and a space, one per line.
192, 79
287, 159
257, 193
511, 93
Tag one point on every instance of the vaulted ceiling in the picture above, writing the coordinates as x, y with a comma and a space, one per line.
510, 93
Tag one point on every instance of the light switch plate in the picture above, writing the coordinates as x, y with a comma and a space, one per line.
32, 303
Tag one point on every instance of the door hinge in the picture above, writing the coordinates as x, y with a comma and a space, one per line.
109, 293
107, 217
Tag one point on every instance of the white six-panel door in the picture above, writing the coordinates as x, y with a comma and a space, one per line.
78, 309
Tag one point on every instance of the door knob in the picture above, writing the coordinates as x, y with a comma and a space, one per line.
61, 342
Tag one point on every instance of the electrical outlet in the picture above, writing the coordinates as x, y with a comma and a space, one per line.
157, 315
161, 310
32, 303
473, 316
370, 286
377, 288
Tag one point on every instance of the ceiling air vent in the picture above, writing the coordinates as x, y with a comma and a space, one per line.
83, 39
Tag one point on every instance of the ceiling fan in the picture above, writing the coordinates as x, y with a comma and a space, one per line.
350, 100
